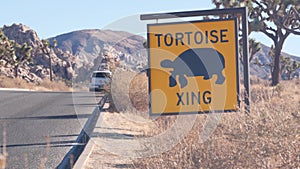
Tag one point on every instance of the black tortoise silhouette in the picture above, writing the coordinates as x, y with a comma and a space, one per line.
196, 62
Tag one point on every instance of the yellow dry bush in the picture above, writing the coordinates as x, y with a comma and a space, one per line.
45, 85
267, 138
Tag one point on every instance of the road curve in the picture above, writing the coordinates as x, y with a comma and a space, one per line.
41, 127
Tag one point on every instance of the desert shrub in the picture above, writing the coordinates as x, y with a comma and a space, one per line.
129, 92
54, 85
138, 92
7, 82
267, 138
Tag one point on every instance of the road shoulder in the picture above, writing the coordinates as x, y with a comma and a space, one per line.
114, 141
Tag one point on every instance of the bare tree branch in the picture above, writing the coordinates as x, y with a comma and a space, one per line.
273, 37
271, 29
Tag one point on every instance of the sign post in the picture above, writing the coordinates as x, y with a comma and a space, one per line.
194, 66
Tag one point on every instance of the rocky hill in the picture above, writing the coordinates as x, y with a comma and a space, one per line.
77, 53
80, 52
63, 62
92, 46
88, 44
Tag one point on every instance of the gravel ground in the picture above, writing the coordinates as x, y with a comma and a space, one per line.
116, 141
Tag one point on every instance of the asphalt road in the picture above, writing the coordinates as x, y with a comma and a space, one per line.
41, 127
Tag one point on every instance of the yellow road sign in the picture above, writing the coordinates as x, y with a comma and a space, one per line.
193, 67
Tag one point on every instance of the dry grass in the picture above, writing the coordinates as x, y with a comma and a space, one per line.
3, 153
2, 161
138, 92
6, 82
129, 92
53, 86
267, 138
46, 85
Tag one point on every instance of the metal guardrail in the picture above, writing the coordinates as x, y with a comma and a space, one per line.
83, 138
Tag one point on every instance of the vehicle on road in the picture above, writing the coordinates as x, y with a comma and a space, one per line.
100, 80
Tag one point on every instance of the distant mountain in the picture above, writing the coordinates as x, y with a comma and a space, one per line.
80, 52
89, 44
93, 45
263, 56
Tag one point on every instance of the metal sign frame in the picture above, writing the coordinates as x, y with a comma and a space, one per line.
243, 12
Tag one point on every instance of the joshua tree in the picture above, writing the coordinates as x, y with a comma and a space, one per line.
254, 47
291, 67
7, 51
22, 55
277, 19
14, 53
145, 45
46, 49
286, 64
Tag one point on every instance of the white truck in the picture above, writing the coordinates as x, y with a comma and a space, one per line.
100, 80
